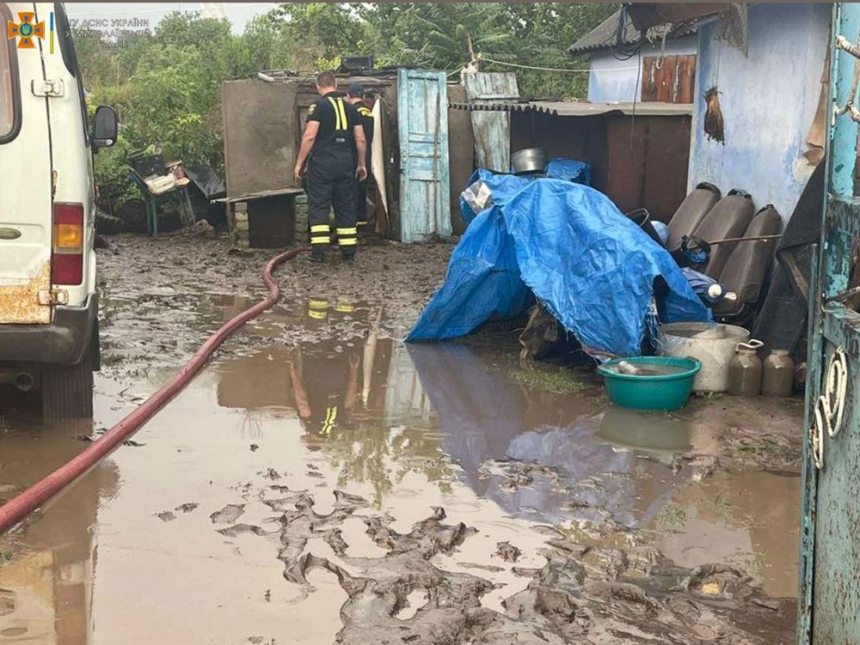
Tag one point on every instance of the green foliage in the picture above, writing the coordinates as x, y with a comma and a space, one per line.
174, 108
166, 85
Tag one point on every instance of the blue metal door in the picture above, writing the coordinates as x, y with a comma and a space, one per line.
830, 533
422, 121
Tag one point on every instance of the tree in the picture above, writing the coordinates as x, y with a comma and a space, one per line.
543, 32
166, 85
435, 35
446, 36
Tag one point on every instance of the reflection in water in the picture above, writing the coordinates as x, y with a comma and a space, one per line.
450, 414
482, 415
379, 410
360, 402
46, 585
406, 427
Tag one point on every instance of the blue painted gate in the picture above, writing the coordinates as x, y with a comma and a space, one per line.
829, 611
422, 122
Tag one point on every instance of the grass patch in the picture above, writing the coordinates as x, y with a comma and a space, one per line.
673, 517
771, 450
556, 382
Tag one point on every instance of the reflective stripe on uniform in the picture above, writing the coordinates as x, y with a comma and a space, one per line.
336, 114
318, 315
343, 114
347, 236
321, 239
320, 228
340, 121
317, 304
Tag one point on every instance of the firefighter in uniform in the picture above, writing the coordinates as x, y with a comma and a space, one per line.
355, 95
334, 147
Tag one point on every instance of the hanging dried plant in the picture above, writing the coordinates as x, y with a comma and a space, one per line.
714, 124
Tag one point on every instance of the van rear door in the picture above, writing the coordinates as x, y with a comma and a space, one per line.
26, 171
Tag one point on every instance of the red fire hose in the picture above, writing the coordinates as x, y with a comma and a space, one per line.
18, 508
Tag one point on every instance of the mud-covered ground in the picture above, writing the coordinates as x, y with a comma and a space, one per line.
321, 482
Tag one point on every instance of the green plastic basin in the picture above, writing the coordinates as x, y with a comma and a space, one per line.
668, 391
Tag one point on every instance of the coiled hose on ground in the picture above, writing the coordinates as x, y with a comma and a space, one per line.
34, 497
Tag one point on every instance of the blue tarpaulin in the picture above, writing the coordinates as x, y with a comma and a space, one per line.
570, 246
569, 170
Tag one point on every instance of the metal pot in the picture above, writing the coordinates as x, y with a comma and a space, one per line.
529, 160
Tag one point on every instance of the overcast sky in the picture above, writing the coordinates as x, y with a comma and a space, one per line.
238, 13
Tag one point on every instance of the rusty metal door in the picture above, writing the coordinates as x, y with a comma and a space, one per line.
829, 610
422, 122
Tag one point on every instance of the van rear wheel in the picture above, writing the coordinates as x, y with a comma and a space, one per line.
67, 391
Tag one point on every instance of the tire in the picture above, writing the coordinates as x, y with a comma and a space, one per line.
67, 391
96, 361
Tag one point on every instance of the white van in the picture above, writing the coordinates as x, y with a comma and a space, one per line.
48, 300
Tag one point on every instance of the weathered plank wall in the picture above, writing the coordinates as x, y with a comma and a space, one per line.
670, 79
492, 130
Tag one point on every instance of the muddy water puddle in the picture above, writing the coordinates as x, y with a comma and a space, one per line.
292, 494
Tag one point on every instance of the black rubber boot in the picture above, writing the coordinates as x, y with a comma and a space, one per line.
349, 257
317, 256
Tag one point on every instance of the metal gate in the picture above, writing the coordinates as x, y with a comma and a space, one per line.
830, 533
422, 121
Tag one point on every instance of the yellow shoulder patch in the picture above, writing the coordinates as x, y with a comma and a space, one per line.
312, 109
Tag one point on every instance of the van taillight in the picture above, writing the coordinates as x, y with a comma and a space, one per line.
68, 256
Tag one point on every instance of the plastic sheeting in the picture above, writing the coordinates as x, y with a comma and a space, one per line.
483, 283
571, 247
569, 170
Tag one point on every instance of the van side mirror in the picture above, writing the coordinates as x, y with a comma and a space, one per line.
105, 127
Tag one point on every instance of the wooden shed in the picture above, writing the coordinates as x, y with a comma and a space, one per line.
263, 123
